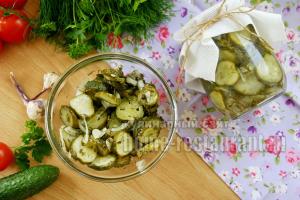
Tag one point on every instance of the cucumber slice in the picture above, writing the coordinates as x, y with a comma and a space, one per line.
102, 147
122, 161
240, 38
234, 107
95, 86
109, 98
114, 122
123, 143
76, 145
127, 93
148, 95
113, 74
148, 135
217, 99
147, 122
222, 41
134, 78
131, 81
272, 90
249, 86
227, 55
106, 105
269, 71
98, 120
136, 75
246, 101
83, 105
103, 163
68, 135
84, 153
153, 146
226, 73
68, 117
249, 101
130, 110
151, 110
258, 98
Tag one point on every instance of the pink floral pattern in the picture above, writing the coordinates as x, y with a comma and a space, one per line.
272, 172
273, 145
292, 157
163, 34
208, 124
230, 148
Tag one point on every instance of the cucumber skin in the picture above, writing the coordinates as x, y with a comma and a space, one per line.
27, 183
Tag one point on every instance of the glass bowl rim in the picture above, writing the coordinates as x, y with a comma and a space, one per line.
80, 65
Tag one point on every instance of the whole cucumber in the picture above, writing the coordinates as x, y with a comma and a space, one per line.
27, 183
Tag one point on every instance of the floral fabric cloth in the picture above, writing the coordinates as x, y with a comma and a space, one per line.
269, 170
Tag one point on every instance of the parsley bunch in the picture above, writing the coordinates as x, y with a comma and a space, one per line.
34, 143
80, 26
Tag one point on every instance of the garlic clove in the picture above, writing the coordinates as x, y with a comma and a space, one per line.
35, 109
50, 79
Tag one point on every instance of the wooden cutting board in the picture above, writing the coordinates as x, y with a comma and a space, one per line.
180, 175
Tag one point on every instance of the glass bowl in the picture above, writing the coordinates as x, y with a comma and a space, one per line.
87, 69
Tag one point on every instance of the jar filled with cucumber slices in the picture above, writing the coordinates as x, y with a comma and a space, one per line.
247, 73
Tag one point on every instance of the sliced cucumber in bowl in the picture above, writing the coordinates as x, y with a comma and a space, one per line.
124, 143
68, 135
122, 161
68, 116
148, 135
98, 120
103, 162
102, 117
130, 110
83, 105
148, 95
83, 153
109, 98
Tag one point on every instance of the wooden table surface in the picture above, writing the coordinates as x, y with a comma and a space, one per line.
179, 175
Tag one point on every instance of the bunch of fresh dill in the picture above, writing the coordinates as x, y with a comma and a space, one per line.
82, 25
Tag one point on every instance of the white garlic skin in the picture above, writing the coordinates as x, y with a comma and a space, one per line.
50, 79
35, 109
140, 165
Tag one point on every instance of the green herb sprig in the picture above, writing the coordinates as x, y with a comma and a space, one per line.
82, 25
34, 142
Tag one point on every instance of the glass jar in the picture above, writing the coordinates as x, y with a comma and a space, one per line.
247, 75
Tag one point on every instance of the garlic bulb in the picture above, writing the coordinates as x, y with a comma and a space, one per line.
49, 80
35, 107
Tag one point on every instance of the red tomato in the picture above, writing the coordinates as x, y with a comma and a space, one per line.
13, 3
14, 29
1, 46
6, 156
